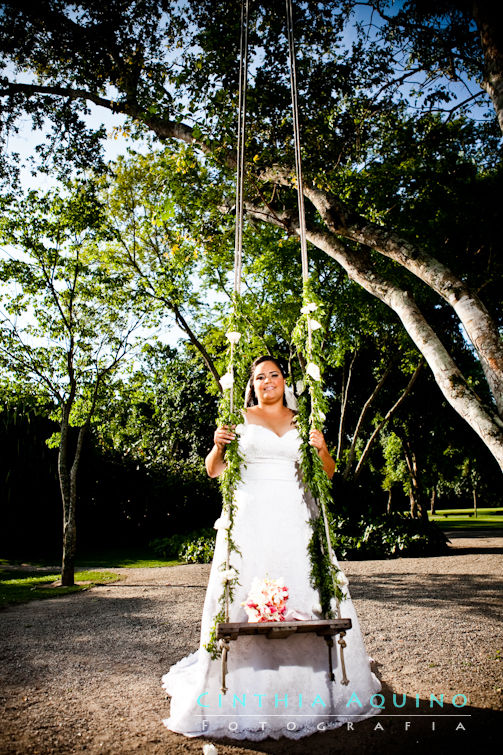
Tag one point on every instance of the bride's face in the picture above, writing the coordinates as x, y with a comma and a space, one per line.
268, 383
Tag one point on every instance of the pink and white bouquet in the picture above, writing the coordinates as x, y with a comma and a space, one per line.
266, 600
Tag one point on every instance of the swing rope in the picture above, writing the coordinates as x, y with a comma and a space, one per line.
240, 170
238, 240
298, 161
240, 157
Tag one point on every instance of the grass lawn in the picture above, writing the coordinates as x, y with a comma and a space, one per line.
23, 585
486, 519
123, 558
127, 558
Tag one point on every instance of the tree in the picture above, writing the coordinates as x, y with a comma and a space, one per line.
66, 323
345, 122
153, 240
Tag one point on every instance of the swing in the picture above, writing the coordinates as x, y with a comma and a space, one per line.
326, 628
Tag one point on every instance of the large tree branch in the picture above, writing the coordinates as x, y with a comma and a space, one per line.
183, 324
478, 324
163, 128
486, 423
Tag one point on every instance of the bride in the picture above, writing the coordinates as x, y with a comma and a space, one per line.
274, 688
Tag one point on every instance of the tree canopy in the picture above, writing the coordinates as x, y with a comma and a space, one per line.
401, 121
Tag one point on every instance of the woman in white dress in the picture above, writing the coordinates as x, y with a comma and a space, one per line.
274, 687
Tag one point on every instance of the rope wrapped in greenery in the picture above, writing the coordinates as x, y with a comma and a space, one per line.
325, 576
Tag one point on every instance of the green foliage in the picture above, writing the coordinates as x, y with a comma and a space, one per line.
395, 468
198, 552
385, 536
192, 548
160, 414
66, 321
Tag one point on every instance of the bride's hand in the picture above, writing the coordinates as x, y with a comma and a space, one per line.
317, 440
223, 435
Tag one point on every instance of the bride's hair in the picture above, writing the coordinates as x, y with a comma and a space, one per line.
252, 399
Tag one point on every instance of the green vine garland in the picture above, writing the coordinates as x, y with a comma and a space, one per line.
325, 576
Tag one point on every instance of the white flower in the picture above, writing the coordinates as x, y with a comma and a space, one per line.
209, 749
311, 307
314, 324
322, 416
341, 579
299, 387
233, 336
228, 575
239, 428
223, 522
226, 381
313, 370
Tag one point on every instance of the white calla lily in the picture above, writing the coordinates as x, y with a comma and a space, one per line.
233, 336
226, 381
314, 324
341, 579
228, 575
313, 371
223, 522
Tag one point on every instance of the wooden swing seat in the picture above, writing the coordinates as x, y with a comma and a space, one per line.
280, 630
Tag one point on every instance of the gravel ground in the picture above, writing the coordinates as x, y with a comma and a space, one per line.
81, 673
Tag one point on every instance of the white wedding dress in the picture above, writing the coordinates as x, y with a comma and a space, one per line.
275, 687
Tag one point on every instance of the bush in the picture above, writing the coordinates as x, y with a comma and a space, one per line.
386, 536
199, 551
193, 547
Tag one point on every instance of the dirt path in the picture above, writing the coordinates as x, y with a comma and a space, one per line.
81, 673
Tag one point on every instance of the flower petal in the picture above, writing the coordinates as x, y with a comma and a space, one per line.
313, 370
233, 336
226, 381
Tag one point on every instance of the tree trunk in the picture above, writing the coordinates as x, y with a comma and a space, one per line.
388, 505
433, 500
344, 402
491, 38
68, 486
68, 561
413, 504
416, 486
363, 413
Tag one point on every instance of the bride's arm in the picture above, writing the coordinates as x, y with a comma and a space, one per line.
215, 462
317, 440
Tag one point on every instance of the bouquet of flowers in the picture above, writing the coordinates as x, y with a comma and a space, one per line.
266, 600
